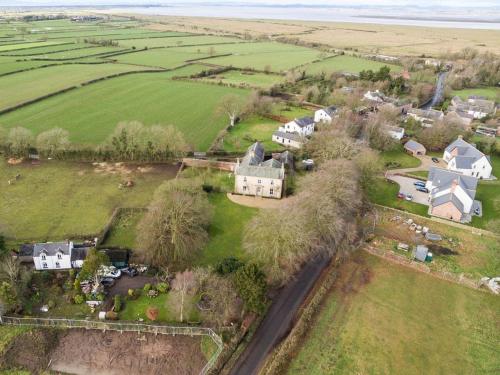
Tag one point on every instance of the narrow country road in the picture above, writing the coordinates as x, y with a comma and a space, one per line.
279, 318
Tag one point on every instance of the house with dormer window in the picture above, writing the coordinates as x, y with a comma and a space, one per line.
52, 255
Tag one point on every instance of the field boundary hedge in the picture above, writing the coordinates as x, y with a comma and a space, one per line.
104, 54
50, 45
47, 53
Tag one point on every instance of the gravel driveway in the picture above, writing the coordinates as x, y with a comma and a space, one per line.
406, 187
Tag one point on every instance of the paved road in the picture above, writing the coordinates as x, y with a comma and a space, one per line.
278, 320
406, 187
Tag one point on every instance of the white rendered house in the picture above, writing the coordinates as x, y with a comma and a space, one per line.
325, 114
468, 160
303, 126
52, 255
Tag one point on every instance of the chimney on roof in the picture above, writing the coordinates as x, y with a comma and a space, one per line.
460, 136
454, 185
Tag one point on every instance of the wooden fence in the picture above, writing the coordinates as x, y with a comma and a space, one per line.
121, 327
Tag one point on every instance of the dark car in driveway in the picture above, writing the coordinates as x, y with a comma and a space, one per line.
422, 189
435, 160
419, 183
130, 271
107, 282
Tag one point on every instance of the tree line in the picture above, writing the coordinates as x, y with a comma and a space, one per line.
130, 141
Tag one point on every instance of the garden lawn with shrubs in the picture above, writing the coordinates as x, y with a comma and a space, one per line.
245, 79
248, 131
492, 93
398, 158
123, 232
226, 230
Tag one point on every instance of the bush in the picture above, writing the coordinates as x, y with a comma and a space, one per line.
162, 287
79, 299
111, 315
147, 288
76, 285
152, 313
228, 265
207, 188
131, 293
251, 284
72, 273
51, 304
118, 303
153, 293
101, 297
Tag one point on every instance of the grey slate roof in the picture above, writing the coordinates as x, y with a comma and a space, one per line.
473, 103
26, 250
51, 248
464, 149
444, 177
79, 253
253, 164
330, 110
304, 121
448, 198
431, 114
255, 154
292, 136
414, 145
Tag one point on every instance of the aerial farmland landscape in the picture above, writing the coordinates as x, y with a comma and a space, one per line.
249, 188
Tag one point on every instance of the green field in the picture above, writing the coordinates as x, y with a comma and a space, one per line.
247, 132
245, 79
9, 64
21, 87
56, 201
19, 46
261, 55
162, 57
79, 53
124, 231
381, 318
177, 41
492, 93
91, 113
348, 64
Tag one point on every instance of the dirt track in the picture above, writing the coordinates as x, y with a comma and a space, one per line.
111, 353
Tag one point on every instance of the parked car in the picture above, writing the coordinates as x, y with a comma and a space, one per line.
130, 271
409, 197
107, 282
419, 183
401, 196
477, 211
435, 160
422, 189
110, 271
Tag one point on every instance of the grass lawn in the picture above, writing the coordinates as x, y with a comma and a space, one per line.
400, 157
381, 318
349, 64
14, 47
226, 230
21, 87
91, 113
78, 53
168, 305
9, 64
291, 112
245, 79
247, 132
177, 41
7, 333
384, 192
123, 232
55, 200
492, 93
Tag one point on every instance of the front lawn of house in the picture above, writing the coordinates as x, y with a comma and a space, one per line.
226, 230
398, 158
384, 192
492, 93
381, 318
291, 112
249, 131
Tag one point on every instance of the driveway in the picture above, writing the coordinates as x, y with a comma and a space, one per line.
406, 187
124, 283
425, 163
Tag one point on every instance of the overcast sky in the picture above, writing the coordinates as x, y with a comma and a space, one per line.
397, 3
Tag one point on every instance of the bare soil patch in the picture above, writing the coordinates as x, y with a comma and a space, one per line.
94, 352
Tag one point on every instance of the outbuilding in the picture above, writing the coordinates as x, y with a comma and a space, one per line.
414, 148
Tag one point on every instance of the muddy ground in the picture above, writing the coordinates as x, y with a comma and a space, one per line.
97, 353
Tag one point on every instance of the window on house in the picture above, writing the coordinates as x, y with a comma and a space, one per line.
244, 188
44, 257
58, 265
244, 179
272, 182
259, 181
44, 265
59, 256
271, 191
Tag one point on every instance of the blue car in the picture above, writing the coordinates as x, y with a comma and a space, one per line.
419, 183
422, 189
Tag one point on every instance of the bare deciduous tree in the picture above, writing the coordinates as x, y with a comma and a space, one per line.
19, 141
53, 141
232, 106
176, 223
183, 283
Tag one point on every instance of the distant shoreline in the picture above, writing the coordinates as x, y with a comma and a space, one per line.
438, 19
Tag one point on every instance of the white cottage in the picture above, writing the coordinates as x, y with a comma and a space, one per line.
468, 160
395, 132
325, 114
256, 177
303, 126
52, 255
